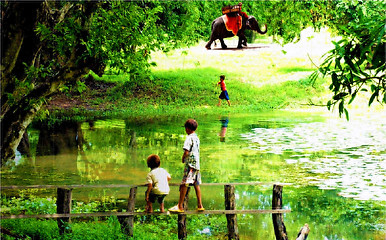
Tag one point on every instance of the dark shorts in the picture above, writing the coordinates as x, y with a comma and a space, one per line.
153, 197
224, 95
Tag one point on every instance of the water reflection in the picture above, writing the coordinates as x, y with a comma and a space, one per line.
268, 148
350, 156
224, 125
58, 146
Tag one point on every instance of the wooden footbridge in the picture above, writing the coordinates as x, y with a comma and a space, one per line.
64, 215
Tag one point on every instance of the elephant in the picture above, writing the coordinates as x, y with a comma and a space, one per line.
219, 30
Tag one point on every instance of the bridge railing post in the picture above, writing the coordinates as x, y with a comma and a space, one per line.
127, 223
182, 232
230, 204
277, 218
63, 206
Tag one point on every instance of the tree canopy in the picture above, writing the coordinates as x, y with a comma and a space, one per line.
357, 63
48, 44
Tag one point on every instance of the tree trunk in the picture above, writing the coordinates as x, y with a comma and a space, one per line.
13, 126
23, 47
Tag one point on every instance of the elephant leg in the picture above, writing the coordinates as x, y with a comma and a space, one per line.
223, 46
242, 41
207, 46
239, 43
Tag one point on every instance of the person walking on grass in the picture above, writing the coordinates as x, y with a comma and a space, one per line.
191, 159
157, 183
224, 92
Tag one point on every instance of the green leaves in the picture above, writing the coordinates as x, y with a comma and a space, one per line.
358, 59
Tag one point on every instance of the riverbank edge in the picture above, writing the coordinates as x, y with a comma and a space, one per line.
98, 101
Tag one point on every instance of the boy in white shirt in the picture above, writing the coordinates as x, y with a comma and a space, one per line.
192, 175
157, 183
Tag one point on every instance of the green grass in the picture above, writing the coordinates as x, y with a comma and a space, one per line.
184, 83
104, 228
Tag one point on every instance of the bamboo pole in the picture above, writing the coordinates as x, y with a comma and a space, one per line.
230, 204
129, 185
126, 214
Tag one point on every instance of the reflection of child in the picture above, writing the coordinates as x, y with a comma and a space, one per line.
157, 183
224, 125
192, 175
224, 92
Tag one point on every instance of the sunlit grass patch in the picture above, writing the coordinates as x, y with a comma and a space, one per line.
260, 77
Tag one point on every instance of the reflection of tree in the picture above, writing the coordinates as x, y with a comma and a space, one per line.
133, 139
59, 145
245, 172
24, 147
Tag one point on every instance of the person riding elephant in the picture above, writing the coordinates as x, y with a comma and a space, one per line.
229, 26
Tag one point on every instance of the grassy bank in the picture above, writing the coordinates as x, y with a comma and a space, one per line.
260, 77
145, 227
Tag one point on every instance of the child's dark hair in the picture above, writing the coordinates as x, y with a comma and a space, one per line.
191, 124
153, 161
222, 77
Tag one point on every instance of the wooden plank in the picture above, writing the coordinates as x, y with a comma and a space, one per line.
72, 186
132, 185
125, 214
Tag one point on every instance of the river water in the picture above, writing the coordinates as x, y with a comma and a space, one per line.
336, 169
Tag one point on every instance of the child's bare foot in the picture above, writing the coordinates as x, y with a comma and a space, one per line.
148, 209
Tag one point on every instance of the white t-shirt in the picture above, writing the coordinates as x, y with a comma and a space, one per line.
192, 144
158, 177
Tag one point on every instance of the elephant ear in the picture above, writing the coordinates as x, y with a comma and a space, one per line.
248, 22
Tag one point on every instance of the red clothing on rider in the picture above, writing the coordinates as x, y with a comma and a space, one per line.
244, 14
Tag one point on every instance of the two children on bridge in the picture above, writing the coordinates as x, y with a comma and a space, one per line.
158, 178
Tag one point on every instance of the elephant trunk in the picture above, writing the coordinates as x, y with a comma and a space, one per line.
254, 25
262, 32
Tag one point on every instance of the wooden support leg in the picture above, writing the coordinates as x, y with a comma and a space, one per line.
182, 233
127, 223
63, 205
303, 233
277, 218
230, 204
